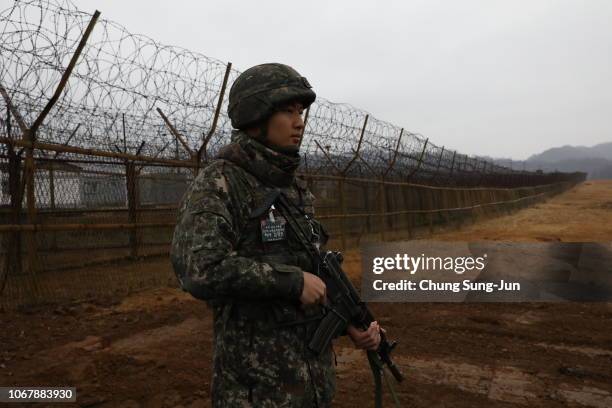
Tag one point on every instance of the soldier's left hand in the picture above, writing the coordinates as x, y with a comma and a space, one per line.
365, 339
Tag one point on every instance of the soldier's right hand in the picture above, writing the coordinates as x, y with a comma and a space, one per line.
314, 290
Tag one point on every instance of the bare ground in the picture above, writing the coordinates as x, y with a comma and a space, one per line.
153, 348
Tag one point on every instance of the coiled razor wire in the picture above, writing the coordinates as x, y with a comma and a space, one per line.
121, 79
145, 109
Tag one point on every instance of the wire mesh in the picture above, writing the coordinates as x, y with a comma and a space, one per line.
122, 142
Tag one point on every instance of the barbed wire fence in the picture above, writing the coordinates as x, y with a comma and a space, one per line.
104, 130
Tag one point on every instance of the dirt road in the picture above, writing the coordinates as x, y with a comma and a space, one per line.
581, 214
153, 348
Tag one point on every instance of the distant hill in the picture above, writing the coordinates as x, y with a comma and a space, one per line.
595, 167
601, 151
604, 172
595, 160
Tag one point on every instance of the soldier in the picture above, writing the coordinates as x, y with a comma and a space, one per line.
231, 248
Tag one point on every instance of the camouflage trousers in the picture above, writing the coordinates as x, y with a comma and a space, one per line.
256, 366
229, 392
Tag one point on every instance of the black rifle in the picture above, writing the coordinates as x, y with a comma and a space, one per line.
344, 303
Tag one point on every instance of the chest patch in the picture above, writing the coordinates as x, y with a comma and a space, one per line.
273, 227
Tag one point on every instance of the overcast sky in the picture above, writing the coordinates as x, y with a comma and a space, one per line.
500, 78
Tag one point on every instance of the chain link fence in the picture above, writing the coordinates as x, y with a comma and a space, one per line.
104, 130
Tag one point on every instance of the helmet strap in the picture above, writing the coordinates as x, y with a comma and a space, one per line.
262, 137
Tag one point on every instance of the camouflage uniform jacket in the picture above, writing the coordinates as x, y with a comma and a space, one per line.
253, 286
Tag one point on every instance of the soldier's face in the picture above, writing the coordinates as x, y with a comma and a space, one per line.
285, 127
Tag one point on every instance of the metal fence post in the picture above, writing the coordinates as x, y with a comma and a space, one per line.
213, 127
132, 197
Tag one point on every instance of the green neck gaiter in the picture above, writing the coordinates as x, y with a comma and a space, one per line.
272, 166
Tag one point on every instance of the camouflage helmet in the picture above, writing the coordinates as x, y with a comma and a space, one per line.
260, 90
